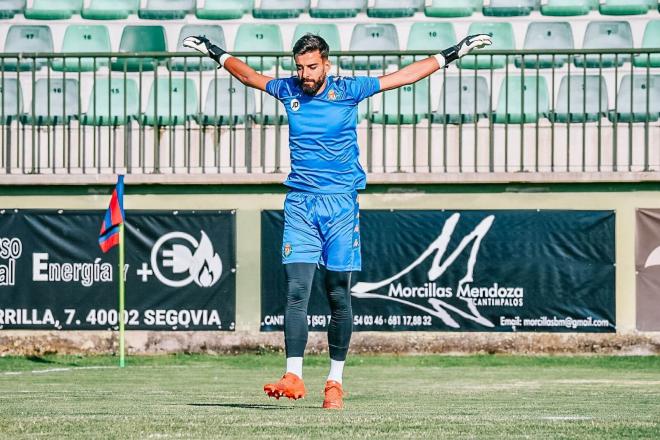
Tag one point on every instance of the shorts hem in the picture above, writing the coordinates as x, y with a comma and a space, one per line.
344, 268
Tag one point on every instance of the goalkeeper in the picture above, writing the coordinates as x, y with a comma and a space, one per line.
321, 219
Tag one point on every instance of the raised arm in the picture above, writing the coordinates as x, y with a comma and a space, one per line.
423, 68
240, 70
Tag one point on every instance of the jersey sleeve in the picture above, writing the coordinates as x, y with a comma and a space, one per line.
276, 87
363, 87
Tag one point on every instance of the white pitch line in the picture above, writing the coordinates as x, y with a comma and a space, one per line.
54, 370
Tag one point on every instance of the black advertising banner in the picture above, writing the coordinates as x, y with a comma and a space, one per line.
505, 271
180, 271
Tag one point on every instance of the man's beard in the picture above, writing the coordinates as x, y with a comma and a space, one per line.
312, 89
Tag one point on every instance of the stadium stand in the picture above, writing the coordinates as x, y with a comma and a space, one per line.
337, 8
11, 98
462, 100
112, 102
586, 101
27, 38
60, 105
374, 37
110, 9
140, 39
406, 105
83, 38
228, 102
166, 9
53, 10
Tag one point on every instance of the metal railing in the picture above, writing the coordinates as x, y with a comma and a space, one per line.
175, 113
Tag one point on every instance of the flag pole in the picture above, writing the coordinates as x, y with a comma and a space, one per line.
122, 359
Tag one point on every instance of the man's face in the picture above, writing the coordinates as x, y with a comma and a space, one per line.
312, 70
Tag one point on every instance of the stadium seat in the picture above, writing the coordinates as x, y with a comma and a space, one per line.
140, 39
174, 101
452, 8
393, 8
585, 102
375, 37
510, 8
112, 102
224, 9
110, 9
548, 35
568, 7
228, 102
462, 100
252, 37
53, 10
167, 9
27, 38
11, 100
636, 90
280, 9
502, 33
651, 40
83, 38
328, 31
432, 36
61, 94
518, 103
414, 104
212, 32
272, 112
337, 8
9, 8
606, 35
624, 7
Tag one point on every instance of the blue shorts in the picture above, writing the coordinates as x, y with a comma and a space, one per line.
322, 228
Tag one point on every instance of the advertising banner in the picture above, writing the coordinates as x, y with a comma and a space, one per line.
180, 271
647, 268
504, 271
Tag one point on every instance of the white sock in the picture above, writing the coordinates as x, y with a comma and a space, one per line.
294, 365
336, 370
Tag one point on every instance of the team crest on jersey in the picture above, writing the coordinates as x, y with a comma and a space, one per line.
295, 105
287, 249
332, 95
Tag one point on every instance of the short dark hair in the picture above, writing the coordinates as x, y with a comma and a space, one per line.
310, 43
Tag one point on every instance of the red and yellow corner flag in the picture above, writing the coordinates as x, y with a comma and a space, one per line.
114, 216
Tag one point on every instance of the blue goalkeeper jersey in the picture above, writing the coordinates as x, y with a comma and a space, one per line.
322, 133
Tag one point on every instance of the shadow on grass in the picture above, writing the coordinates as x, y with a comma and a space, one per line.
39, 360
262, 406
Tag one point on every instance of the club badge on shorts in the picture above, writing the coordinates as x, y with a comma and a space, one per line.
295, 105
287, 249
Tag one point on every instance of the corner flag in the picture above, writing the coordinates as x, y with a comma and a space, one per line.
114, 216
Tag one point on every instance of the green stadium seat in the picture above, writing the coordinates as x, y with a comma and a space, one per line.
110, 9
140, 39
624, 7
62, 95
517, 91
548, 35
167, 9
432, 36
566, 8
651, 40
173, 103
337, 8
9, 8
280, 9
328, 31
606, 35
393, 8
112, 102
27, 38
414, 104
636, 90
228, 102
463, 100
586, 101
272, 113
212, 32
252, 37
11, 100
373, 37
452, 8
224, 9
510, 8
53, 9
502, 33
83, 38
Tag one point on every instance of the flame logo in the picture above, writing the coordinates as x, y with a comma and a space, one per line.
206, 266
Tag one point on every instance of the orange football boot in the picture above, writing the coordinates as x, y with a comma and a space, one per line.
290, 386
334, 395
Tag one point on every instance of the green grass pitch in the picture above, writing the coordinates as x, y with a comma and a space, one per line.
191, 396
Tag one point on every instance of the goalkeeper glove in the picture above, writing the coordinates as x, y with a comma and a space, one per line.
465, 46
202, 44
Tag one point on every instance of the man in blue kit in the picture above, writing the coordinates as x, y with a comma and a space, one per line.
321, 214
